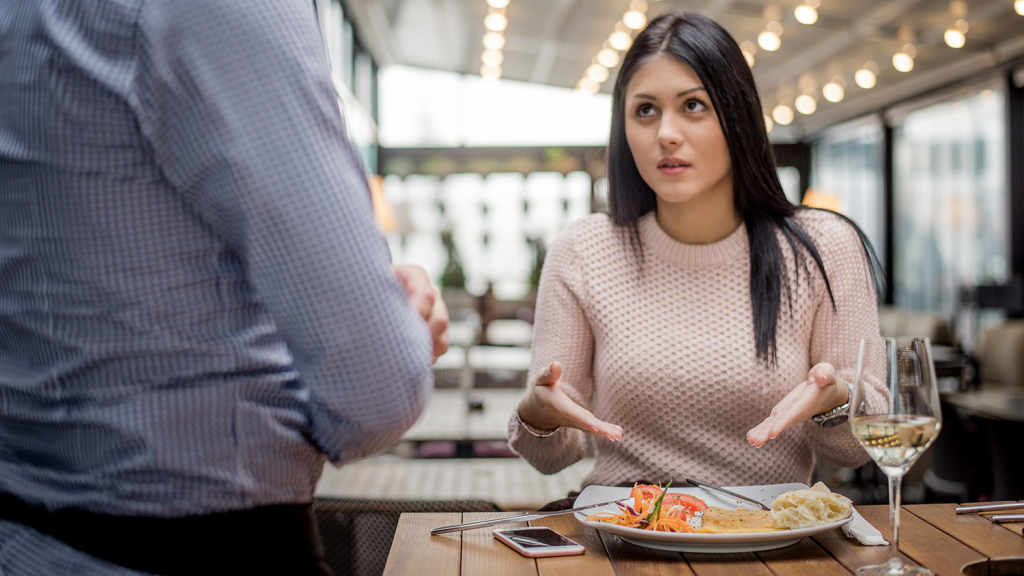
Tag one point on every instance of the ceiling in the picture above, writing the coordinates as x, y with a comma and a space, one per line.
554, 41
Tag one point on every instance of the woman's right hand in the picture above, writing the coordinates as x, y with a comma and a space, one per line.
547, 407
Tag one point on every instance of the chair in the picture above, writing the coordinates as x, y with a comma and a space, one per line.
1000, 355
357, 533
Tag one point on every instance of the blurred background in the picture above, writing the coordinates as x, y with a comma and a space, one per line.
482, 126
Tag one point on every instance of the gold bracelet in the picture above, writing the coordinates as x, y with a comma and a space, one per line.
533, 431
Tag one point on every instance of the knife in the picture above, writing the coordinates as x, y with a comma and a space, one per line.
517, 518
707, 486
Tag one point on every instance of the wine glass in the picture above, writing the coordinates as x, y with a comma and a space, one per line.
897, 432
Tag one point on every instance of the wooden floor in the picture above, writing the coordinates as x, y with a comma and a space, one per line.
511, 483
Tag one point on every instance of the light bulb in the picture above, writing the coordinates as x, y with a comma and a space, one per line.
782, 114
608, 57
902, 62
864, 78
748, 46
833, 92
774, 27
634, 19
497, 3
490, 72
749, 58
1018, 6
770, 41
806, 104
954, 38
494, 41
492, 57
962, 25
597, 73
495, 22
620, 40
768, 124
805, 14
588, 86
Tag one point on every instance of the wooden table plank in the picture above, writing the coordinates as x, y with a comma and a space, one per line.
483, 555
850, 553
973, 530
926, 544
414, 552
632, 560
739, 564
804, 557
594, 563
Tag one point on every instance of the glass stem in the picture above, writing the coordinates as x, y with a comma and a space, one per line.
894, 513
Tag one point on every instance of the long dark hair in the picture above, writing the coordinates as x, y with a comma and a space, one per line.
711, 52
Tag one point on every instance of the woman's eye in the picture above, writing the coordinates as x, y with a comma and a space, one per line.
645, 110
694, 106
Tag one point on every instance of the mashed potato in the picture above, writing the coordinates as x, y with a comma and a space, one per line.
814, 506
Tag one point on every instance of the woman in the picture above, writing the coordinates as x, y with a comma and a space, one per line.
704, 314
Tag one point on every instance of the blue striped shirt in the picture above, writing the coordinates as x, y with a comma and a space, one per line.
195, 306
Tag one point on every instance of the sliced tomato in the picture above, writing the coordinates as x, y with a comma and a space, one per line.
690, 503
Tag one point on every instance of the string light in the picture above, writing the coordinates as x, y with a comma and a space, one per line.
833, 91
608, 56
864, 78
805, 14
783, 115
902, 62
770, 41
495, 22
806, 104
597, 73
1018, 7
954, 38
492, 57
634, 19
494, 40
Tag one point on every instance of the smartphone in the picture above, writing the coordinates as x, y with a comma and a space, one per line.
538, 542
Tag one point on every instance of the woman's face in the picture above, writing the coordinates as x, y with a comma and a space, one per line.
674, 134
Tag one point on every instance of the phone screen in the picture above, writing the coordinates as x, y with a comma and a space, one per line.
537, 538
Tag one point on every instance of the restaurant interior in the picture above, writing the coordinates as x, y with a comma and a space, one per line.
482, 125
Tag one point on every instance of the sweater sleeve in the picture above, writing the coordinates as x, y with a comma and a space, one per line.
561, 333
836, 334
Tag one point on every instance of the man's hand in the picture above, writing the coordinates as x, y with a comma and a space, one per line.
817, 395
427, 301
547, 407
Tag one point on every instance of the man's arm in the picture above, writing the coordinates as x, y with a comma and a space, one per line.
236, 99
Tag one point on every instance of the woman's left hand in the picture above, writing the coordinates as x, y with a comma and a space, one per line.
817, 395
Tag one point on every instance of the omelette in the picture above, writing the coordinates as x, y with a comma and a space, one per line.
717, 520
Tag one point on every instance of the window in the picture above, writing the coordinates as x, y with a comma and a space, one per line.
951, 223
847, 171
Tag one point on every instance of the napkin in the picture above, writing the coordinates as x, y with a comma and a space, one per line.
862, 532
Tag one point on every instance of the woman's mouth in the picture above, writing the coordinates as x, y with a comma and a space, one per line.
672, 166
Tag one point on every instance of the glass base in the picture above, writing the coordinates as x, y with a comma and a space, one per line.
894, 567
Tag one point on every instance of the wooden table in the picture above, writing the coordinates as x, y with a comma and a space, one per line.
511, 483
930, 535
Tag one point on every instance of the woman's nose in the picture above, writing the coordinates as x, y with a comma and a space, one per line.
669, 134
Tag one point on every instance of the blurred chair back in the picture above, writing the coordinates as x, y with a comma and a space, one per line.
894, 322
357, 533
1000, 355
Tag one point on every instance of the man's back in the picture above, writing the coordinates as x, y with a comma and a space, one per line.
194, 305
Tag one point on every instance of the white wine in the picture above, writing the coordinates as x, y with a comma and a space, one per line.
895, 442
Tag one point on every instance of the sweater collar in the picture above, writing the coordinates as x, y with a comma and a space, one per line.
691, 255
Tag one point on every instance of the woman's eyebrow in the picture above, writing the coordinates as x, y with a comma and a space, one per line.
680, 95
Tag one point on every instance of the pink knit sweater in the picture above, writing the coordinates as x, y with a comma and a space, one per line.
667, 351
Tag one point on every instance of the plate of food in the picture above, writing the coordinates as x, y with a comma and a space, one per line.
698, 520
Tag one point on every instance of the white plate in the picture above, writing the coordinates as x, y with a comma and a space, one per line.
708, 543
